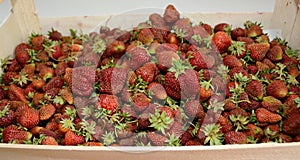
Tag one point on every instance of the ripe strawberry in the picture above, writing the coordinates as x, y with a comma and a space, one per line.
46, 112
16, 93
115, 49
258, 51
237, 70
277, 89
194, 109
21, 54
232, 61
147, 72
7, 116
145, 36
112, 80
201, 60
55, 82
37, 42
270, 103
166, 47
164, 59
205, 93
253, 30
265, 116
269, 63
38, 83
168, 110
3, 93
225, 124
28, 117
221, 41
255, 90
233, 137
157, 91
139, 57
224, 27
172, 39
67, 95
156, 139
46, 73
71, 139
291, 125
238, 32
12, 66
171, 15
158, 22
140, 102
12, 133
275, 54
108, 102
48, 140
55, 35
254, 131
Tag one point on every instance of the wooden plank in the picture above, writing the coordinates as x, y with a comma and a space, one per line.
284, 18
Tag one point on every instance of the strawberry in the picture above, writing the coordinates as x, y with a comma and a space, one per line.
67, 95
201, 60
108, 102
221, 41
277, 89
158, 22
12, 66
48, 140
275, 54
232, 61
253, 29
157, 91
7, 116
156, 139
194, 109
12, 133
258, 51
46, 73
254, 131
112, 80
139, 57
46, 112
21, 54
265, 116
224, 27
29, 69
145, 36
115, 49
225, 124
55, 82
171, 15
71, 139
233, 137
255, 90
237, 32
37, 42
166, 47
291, 124
270, 103
140, 102
172, 39
147, 72
237, 70
181, 81
16, 93
164, 59
29, 117
55, 35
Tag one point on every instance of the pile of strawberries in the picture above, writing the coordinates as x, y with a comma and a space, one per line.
167, 82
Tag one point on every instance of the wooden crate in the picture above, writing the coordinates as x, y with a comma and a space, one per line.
24, 20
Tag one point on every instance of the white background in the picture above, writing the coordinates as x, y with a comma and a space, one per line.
55, 8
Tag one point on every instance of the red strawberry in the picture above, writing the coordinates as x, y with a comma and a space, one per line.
231, 61
46, 73
258, 51
12, 66
254, 131
255, 90
7, 116
201, 60
171, 15
205, 93
224, 27
29, 117
270, 103
237, 32
254, 31
156, 139
145, 36
164, 59
221, 41
275, 54
139, 57
12, 133
193, 109
157, 91
265, 116
115, 49
48, 140
71, 139
277, 89
236, 70
16, 93
108, 102
29, 69
147, 72
233, 137
291, 125
37, 42
55, 35
21, 54
166, 47
168, 110
55, 82
225, 124
112, 80
140, 102
46, 112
